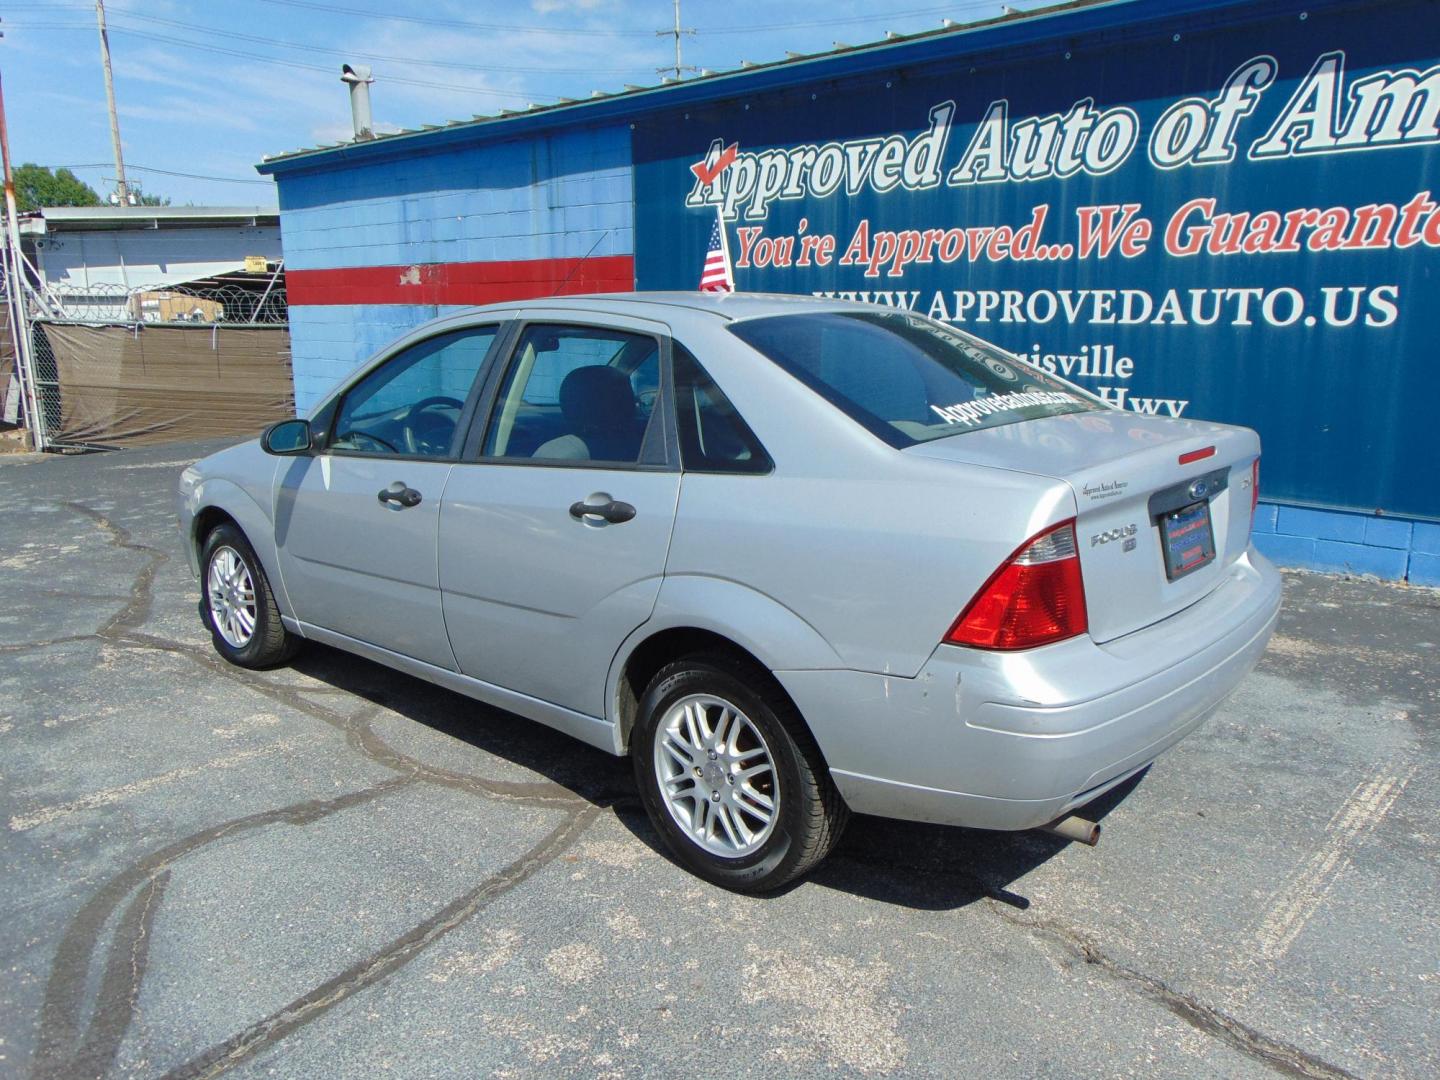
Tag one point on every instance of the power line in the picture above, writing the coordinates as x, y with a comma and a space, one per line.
130, 165
889, 16
296, 64
314, 4
341, 9
337, 50
519, 28
429, 83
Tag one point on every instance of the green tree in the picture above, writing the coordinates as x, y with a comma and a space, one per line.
37, 186
142, 199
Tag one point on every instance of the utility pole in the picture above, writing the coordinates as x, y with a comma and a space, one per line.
15, 295
675, 33
122, 190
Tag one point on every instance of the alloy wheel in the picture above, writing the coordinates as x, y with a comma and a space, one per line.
230, 591
717, 776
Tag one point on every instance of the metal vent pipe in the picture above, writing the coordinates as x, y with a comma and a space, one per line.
359, 80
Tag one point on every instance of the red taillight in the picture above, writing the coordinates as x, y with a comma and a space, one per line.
1035, 598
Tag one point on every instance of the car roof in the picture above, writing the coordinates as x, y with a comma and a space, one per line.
728, 306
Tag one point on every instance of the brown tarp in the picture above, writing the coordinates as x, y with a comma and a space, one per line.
145, 384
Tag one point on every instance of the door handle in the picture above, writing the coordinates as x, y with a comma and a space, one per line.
400, 494
614, 512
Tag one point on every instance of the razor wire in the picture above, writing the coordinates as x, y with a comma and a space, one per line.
263, 304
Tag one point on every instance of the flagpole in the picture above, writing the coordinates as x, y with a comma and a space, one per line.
725, 250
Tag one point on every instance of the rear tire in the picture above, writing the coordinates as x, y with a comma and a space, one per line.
239, 606
707, 729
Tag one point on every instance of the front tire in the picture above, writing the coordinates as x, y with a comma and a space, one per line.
731, 777
239, 605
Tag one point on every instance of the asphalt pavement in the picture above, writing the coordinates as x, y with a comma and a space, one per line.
334, 870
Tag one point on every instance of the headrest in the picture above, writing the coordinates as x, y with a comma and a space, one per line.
596, 398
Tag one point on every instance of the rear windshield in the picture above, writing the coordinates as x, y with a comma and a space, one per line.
907, 378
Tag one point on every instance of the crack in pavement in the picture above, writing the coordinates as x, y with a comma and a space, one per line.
47, 643
1265, 1049
60, 1020
119, 996
142, 589
68, 1046
311, 1006
356, 727
1208, 1020
44, 815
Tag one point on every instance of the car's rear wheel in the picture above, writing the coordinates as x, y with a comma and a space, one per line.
731, 777
239, 606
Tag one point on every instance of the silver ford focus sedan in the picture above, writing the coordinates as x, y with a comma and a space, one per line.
798, 558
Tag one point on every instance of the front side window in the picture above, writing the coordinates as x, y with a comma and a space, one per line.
575, 393
906, 378
411, 404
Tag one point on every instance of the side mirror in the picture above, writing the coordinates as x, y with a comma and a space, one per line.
287, 437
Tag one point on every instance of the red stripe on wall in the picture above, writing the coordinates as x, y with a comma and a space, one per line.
460, 283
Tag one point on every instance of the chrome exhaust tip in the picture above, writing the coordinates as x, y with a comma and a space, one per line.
1074, 828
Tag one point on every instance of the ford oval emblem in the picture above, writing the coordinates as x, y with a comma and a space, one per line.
1199, 489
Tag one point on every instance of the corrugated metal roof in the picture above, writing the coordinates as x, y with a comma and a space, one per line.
75, 218
711, 83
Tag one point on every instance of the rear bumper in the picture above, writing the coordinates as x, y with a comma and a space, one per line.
1011, 741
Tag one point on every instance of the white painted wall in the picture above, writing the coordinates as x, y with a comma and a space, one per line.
73, 261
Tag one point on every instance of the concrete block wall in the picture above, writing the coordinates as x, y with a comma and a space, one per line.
1341, 542
329, 341
373, 250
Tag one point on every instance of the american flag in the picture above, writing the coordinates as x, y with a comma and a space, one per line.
716, 276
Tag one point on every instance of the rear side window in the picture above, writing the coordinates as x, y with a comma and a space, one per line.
713, 437
907, 378
570, 395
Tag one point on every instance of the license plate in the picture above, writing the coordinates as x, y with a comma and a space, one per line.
1187, 540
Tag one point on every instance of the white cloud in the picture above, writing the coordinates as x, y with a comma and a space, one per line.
181, 114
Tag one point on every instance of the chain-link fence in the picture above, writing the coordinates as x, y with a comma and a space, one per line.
47, 379
68, 383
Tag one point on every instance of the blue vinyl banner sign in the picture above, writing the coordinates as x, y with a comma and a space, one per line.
1242, 224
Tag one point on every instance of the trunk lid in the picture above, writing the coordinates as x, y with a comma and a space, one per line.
1127, 475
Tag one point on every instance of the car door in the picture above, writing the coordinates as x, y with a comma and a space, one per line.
554, 532
356, 522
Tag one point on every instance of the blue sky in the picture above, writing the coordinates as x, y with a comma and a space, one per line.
209, 87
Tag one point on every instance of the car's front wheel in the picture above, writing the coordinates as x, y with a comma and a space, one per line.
239, 606
731, 777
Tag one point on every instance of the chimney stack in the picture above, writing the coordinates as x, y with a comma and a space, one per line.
359, 79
